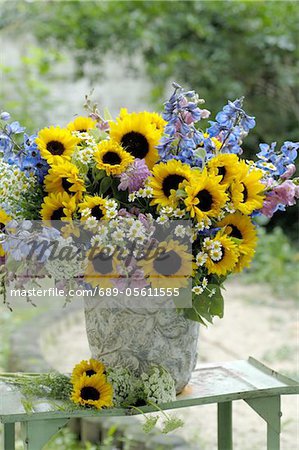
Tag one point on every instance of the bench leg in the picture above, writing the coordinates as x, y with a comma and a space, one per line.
9, 436
225, 426
269, 409
38, 432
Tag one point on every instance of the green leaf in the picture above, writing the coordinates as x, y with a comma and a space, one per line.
191, 314
200, 153
217, 302
105, 185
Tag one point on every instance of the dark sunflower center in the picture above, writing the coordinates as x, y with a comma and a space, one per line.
111, 158
223, 254
245, 193
57, 214
90, 372
55, 147
136, 144
205, 200
168, 264
66, 185
171, 182
97, 212
102, 263
90, 393
235, 232
222, 171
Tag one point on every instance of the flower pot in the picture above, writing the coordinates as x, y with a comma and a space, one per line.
136, 338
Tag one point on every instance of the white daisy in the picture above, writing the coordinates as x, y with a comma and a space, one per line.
201, 258
215, 254
197, 290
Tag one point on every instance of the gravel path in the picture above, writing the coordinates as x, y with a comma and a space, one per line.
255, 324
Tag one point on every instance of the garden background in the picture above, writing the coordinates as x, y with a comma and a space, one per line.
129, 52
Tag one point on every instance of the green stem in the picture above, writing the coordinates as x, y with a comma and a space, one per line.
154, 405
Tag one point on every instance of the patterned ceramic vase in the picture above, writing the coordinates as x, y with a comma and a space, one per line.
136, 338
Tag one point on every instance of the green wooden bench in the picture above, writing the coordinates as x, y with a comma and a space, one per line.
221, 383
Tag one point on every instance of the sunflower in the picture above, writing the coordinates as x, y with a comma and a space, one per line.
63, 176
239, 226
151, 117
60, 206
225, 165
225, 258
138, 136
88, 368
101, 268
4, 219
55, 141
247, 189
170, 265
82, 124
205, 196
93, 391
167, 178
96, 206
112, 158
156, 120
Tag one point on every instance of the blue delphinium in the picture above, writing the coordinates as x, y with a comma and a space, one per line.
25, 156
31, 161
231, 125
276, 162
181, 138
233, 114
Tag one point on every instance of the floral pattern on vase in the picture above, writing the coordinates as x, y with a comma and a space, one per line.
136, 338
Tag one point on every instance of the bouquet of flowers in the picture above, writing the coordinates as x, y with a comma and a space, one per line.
123, 179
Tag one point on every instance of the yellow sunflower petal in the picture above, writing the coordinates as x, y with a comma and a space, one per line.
205, 196
55, 141
60, 206
225, 165
88, 368
240, 226
96, 207
138, 135
247, 190
166, 179
172, 268
63, 176
101, 268
228, 256
81, 124
4, 219
93, 391
112, 158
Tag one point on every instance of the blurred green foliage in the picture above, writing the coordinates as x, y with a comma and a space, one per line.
222, 49
276, 262
27, 93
